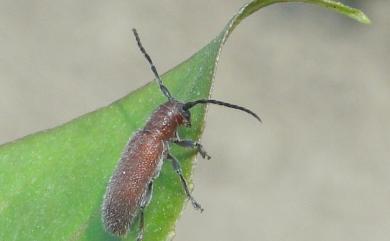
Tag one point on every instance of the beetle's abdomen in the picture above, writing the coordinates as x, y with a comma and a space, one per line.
137, 166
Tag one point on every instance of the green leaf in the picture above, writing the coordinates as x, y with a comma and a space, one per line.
52, 182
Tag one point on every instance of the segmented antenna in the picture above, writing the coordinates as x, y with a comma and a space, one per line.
163, 88
191, 104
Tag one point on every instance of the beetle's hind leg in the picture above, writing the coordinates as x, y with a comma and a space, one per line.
177, 168
144, 202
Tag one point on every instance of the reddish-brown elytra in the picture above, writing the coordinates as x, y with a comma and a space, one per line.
130, 187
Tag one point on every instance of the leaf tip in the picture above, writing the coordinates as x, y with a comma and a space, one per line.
357, 14
361, 17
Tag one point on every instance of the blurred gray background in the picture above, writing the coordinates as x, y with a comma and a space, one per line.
317, 169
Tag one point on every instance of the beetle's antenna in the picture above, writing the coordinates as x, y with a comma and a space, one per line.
163, 88
189, 105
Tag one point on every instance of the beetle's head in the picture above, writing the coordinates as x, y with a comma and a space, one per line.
186, 115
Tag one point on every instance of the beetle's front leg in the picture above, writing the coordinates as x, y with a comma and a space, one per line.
191, 144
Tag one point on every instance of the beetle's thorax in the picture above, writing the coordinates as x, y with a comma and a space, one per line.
166, 119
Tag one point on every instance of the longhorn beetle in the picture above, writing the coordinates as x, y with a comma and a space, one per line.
130, 187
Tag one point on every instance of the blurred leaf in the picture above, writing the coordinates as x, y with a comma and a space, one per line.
52, 182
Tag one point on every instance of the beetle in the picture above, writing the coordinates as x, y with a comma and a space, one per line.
130, 188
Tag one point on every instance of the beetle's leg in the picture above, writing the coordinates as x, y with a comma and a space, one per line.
140, 235
191, 144
177, 168
144, 202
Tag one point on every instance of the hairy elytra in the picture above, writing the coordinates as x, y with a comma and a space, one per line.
130, 188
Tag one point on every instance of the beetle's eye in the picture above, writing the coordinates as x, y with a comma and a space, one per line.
187, 115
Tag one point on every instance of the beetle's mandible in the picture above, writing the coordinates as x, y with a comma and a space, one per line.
130, 187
